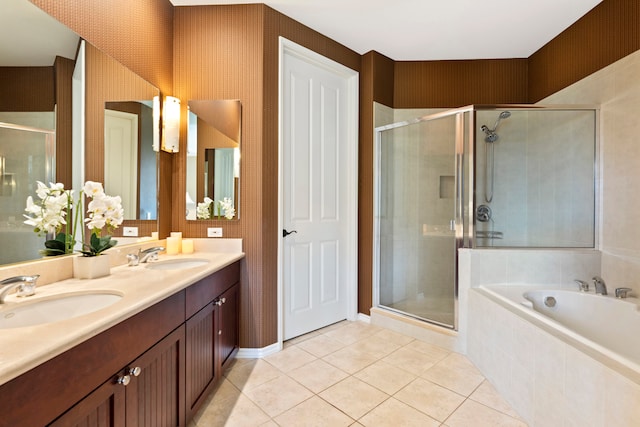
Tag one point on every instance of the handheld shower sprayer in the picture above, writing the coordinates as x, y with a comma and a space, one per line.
491, 136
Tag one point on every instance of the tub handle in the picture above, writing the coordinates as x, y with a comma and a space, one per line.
584, 286
622, 292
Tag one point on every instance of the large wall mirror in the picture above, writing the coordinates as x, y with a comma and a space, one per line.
213, 157
38, 69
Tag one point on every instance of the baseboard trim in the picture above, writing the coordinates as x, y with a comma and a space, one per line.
258, 353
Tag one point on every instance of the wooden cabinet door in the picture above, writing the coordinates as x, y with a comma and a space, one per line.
201, 359
154, 396
105, 407
228, 334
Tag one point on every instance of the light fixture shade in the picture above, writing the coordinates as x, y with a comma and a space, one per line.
171, 125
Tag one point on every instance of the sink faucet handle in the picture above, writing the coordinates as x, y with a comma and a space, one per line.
584, 286
133, 259
623, 292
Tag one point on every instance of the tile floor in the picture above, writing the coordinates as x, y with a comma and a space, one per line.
356, 374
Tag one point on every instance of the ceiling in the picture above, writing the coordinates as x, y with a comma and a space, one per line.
406, 30
403, 30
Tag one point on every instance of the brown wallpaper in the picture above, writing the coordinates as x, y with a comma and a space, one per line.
27, 89
607, 33
63, 89
440, 84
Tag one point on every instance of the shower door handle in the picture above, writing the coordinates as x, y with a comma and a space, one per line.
285, 233
452, 225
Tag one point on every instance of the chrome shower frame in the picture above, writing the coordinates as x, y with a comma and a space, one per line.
466, 141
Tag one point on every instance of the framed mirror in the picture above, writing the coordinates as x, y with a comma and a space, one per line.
39, 72
213, 159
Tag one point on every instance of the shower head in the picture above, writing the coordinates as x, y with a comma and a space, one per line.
503, 115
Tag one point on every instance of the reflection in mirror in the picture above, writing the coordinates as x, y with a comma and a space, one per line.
36, 66
129, 158
213, 153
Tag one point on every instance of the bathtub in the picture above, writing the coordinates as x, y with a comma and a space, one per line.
605, 327
576, 363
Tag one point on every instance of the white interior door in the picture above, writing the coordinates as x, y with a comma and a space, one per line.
318, 185
121, 159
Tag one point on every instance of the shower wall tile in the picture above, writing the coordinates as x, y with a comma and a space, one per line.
617, 89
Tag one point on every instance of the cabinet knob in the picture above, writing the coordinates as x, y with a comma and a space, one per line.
220, 332
220, 301
135, 371
124, 380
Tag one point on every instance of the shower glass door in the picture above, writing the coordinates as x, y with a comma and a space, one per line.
415, 218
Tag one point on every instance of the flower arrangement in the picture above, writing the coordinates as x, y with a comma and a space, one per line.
209, 208
51, 215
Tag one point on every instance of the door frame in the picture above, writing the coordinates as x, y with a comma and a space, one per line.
287, 47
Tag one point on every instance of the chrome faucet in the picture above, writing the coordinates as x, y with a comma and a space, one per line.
623, 292
583, 286
149, 254
25, 286
601, 287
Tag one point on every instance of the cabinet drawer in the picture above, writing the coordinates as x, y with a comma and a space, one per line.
206, 290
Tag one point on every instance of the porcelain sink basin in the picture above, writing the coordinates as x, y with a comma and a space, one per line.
178, 264
54, 308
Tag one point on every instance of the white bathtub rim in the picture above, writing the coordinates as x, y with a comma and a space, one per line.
609, 358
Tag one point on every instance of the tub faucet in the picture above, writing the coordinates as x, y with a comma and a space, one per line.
25, 286
623, 292
584, 286
601, 287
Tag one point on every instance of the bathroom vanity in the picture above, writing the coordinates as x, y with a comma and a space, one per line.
153, 368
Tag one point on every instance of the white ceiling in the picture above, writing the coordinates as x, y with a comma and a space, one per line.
30, 37
406, 30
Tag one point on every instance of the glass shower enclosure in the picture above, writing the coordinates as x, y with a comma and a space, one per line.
476, 177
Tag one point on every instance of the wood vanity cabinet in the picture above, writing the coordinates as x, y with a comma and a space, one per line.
171, 354
211, 333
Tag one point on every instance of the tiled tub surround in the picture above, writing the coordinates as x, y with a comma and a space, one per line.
548, 378
24, 348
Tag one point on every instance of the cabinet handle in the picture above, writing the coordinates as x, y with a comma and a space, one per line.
220, 332
135, 371
220, 301
124, 380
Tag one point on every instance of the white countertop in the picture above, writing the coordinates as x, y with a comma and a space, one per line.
22, 349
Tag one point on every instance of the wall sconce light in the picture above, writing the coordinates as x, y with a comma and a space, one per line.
169, 139
171, 124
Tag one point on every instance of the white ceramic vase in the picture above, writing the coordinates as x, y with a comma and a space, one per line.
91, 267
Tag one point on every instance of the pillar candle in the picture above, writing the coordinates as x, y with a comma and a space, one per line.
154, 235
187, 246
178, 235
173, 245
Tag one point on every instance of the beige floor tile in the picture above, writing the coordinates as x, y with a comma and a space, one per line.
241, 413
249, 375
350, 359
376, 346
393, 413
429, 398
279, 395
269, 423
475, 414
290, 358
321, 345
409, 360
456, 373
432, 352
488, 396
353, 397
394, 337
385, 377
314, 412
353, 332
301, 338
318, 375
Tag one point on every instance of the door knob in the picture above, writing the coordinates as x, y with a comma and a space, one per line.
285, 233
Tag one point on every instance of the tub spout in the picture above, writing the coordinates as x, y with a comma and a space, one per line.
601, 287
